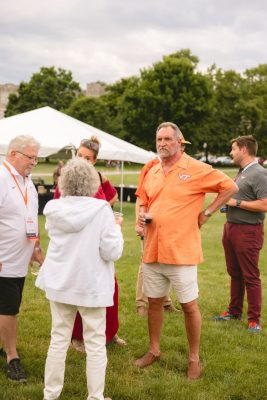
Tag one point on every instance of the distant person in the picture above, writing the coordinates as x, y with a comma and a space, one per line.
78, 274
57, 171
174, 192
19, 238
243, 233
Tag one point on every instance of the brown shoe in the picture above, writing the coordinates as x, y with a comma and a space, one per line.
194, 370
148, 359
142, 311
171, 308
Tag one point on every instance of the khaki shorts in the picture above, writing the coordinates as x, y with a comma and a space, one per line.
159, 277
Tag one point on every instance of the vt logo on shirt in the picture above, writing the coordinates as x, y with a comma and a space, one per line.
184, 177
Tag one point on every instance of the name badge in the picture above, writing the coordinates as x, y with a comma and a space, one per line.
31, 227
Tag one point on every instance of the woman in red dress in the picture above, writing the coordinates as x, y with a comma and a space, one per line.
88, 150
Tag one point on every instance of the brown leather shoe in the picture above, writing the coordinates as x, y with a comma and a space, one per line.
148, 359
171, 308
142, 311
194, 370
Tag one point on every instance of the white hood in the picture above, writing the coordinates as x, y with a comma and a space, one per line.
72, 213
84, 243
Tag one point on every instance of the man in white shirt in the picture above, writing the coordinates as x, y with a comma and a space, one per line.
19, 238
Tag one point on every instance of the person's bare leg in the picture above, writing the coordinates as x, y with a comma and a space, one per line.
193, 330
8, 335
155, 322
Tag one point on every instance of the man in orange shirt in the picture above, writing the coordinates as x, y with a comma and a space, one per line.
174, 192
141, 299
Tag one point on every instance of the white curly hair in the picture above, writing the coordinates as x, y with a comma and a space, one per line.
78, 178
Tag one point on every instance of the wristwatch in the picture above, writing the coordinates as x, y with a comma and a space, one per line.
238, 203
207, 213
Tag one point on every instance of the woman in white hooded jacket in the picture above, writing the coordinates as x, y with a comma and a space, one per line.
78, 274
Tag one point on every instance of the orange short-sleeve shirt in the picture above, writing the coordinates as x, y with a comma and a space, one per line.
176, 199
143, 173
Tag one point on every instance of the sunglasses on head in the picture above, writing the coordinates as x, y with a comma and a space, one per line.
89, 144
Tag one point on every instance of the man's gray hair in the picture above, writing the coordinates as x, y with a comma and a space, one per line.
177, 131
22, 141
78, 178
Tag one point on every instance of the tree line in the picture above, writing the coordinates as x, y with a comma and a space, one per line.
209, 107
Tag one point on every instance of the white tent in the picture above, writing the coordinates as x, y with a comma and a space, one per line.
56, 131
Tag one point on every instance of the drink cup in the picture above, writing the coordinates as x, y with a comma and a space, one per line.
35, 268
148, 217
118, 215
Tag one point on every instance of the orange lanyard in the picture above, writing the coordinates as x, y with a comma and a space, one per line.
25, 196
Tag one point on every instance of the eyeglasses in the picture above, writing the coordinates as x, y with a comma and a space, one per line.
90, 145
31, 158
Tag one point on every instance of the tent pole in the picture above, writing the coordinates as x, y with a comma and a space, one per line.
121, 186
73, 152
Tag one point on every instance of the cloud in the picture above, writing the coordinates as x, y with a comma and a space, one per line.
107, 40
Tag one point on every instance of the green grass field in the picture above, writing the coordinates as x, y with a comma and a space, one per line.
234, 360
130, 175
45, 171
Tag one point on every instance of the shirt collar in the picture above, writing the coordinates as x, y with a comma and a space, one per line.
14, 171
181, 163
250, 165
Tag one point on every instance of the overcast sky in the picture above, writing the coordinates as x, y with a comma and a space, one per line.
110, 39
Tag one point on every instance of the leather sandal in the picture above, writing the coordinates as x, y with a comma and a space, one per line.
148, 359
118, 341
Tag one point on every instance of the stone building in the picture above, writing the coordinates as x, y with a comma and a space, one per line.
5, 90
93, 89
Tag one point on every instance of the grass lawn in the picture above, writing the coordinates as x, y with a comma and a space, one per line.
234, 360
130, 176
45, 171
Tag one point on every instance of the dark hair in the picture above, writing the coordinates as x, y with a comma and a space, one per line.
247, 141
91, 144
57, 171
